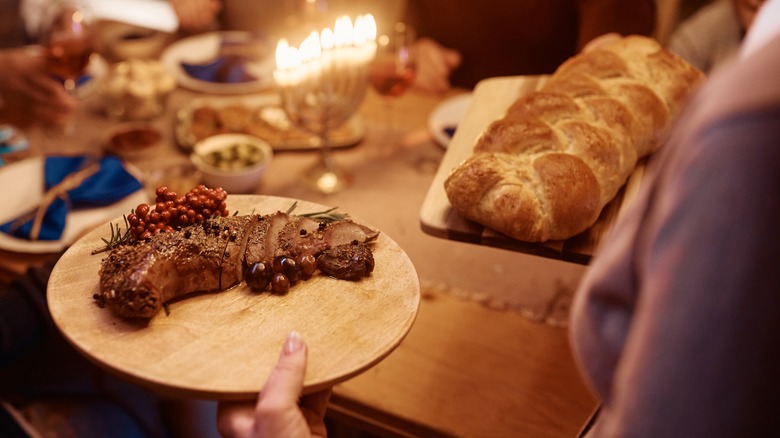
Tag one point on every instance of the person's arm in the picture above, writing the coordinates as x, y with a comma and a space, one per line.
687, 288
24, 314
626, 17
279, 411
435, 62
434, 65
196, 15
27, 93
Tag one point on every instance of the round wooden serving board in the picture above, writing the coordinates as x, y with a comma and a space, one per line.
222, 345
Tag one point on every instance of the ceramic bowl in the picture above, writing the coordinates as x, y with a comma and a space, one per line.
133, 140
121, 41
136, 89
235, 162
176, 173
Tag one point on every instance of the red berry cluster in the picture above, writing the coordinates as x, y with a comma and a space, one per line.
172, 211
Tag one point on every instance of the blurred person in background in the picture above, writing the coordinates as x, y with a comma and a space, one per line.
462, 42
197, 15
28, 94
675, 321
48, 388
713, 34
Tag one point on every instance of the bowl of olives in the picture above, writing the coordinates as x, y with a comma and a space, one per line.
235, 162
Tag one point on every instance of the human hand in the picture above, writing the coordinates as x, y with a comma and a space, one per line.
434, 65
29, 94
278, 412
746, 11
196, 15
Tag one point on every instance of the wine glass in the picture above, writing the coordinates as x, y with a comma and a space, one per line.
393, 69
67, 41
322, 84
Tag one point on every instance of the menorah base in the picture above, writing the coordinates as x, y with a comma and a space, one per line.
327, 179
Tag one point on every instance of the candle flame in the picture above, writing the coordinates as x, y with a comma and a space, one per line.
286, 56
365, 29
310, 47
346, 46
343, 31
327, 39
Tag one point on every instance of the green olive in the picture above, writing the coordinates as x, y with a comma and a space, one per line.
235, 156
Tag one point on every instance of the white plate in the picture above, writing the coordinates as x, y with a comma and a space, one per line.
446, 116
204, 48
284, 138
27, 177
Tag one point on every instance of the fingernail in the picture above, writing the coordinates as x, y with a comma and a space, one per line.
293, 343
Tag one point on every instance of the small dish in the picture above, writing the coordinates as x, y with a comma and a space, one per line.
132, 141
136, 89
260, 115
122, 41
178, 174
235, 162
445, 118
206, 47
27, 176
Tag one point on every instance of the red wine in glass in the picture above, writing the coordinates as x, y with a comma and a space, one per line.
68, 57
391, 78
393, 69
68, 43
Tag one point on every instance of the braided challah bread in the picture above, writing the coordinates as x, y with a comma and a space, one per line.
559, 155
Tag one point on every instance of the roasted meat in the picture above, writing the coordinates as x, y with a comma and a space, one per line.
351, 261
137, 279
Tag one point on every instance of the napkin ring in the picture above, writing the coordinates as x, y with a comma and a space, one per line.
60, 190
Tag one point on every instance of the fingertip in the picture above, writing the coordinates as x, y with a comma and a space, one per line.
293, 343
285, 382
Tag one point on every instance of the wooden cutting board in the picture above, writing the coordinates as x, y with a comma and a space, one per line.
222, 345
491, 98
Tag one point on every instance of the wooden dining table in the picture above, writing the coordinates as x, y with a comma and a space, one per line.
489, 353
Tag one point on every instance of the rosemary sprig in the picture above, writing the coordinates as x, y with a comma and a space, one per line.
117, 237
329, 215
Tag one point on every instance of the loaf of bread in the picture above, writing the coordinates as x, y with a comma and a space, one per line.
548, 167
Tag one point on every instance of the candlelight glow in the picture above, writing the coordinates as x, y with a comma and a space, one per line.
310, 47
287, 57
343, 31
344, 47
322, 83
327, 39
365, 29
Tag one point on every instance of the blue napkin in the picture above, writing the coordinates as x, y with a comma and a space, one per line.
226, 69
109, 184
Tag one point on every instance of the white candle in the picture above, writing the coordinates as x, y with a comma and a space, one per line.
345, 47
343, 31
288, 61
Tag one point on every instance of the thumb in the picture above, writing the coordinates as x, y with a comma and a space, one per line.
285, 382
